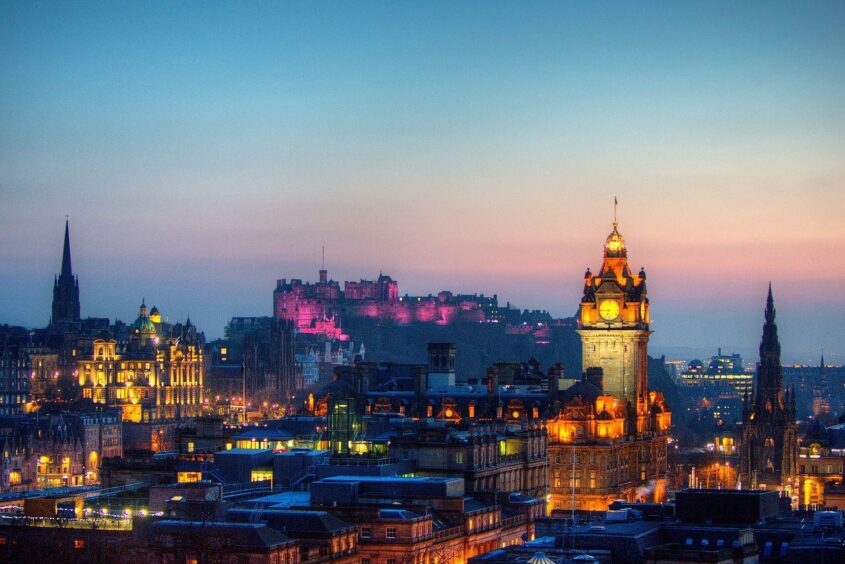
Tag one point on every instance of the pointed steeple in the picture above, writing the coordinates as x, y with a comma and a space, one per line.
65, 289
769, 373
770, 307
67, 270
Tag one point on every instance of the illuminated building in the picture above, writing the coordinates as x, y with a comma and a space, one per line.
769, 442
490, 458
44, 372
820, 463
608, 433
725, 372
157, 375
102, 438
421, 519
320, 307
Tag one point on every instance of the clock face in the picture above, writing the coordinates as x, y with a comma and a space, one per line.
609, 309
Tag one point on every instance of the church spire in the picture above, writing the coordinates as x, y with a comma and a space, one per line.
67, 270
65, 288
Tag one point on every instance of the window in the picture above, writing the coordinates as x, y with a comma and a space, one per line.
365, 561
391, 561
391, 533
767, 548
78, 544
459, 458
366, 532
688, 541
720, 542
705, 542
784, 546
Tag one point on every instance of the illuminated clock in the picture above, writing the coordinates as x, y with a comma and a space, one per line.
609, 309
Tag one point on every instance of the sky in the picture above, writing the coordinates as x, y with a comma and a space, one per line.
203, 150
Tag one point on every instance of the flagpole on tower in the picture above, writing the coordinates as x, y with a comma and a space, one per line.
615, 205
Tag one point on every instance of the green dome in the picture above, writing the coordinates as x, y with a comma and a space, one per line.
143, 325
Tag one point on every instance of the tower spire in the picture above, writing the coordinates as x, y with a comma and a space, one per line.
65, 288
67, 270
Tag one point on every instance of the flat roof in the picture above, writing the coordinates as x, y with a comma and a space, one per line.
403, 479
282, 500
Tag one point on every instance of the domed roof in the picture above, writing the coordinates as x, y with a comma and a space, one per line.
817, 432
587, 391
614, 245
717, 365
695, 365
143, 325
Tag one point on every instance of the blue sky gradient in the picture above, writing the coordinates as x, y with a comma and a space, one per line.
203, 150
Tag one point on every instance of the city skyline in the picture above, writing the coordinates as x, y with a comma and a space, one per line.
688, 350
202, 154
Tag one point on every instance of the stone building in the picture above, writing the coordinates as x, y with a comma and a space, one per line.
608, 433
157, 374
769, 448
820, 464
15, 367
490, 458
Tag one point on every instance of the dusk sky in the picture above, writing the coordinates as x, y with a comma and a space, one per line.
203, 150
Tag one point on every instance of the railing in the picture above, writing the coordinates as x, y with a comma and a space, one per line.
231, 491
515, 520
107, 492
103, 524
449, 533
362, 461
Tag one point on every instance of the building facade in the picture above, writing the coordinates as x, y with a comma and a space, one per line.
608, 433
157, 374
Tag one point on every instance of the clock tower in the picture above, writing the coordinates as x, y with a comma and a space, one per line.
614, 325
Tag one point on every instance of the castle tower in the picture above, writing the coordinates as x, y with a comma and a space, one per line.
769, 448
65, 290
614, 324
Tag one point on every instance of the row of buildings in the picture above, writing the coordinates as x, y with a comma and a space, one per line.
49, 451
148, 370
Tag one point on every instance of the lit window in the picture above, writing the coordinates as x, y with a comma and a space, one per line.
78, 544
